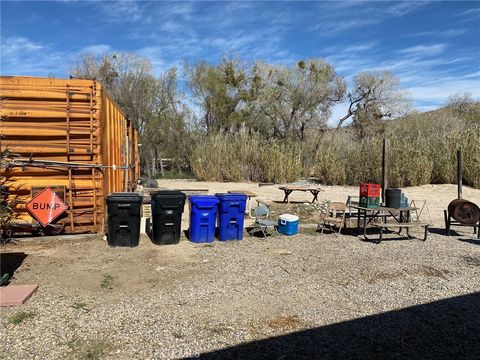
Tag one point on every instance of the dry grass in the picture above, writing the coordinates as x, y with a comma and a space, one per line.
245, 157
20, 317
289, 322
422, 150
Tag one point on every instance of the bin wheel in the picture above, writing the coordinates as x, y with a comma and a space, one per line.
39, 232
8, 233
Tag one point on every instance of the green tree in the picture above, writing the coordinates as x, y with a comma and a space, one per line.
293, 99
221, 91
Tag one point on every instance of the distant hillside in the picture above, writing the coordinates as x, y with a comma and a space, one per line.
461, 113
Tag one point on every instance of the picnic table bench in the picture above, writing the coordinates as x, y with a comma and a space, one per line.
289, 189
401, 226
193, 191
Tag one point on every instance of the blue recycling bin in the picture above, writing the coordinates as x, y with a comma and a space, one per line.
203, 215
231, 215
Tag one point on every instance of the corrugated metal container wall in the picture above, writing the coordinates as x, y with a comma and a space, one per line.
69, 135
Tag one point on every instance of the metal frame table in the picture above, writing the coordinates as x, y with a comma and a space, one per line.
402, 217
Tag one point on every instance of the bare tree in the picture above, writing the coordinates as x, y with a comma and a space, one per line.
461, 103
153, 103
128, 78
375, 96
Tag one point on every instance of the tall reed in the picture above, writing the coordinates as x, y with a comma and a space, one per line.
422, 150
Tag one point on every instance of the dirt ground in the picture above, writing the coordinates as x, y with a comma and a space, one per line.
307, 296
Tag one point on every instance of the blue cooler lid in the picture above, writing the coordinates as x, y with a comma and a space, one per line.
231, 197
288, 217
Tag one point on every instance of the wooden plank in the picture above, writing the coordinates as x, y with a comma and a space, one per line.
403, 225
245, 192
299, 188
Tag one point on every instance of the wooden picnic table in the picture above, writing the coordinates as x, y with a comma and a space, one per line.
194, 191
402, 219
249, 195
289, 189
245, 192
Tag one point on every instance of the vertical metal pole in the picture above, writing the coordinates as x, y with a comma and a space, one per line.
384, 168
68, 122
70, 200
459, 173
162, 171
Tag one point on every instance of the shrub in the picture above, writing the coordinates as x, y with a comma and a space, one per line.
422, 150
240, 157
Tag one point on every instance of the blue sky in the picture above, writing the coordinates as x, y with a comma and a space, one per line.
432, 46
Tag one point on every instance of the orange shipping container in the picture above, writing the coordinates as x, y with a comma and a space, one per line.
69, 135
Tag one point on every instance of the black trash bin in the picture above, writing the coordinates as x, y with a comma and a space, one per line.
167, 210
393, 198
123, 219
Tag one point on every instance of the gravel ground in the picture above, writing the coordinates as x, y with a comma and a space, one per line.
156, 302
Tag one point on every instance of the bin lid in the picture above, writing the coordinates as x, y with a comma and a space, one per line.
168, 199
124, 197
231, 196
167, 194
288, 217
393, 190
203, 200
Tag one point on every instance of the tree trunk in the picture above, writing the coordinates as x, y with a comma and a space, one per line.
154, 163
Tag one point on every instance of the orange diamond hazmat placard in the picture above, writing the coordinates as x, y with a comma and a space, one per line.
46, 206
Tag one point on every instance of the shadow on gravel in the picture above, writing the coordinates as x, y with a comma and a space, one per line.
445, 329
470, 241
442, 231
10, 262
453, 232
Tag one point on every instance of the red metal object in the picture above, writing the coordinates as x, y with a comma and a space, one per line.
370, 190
46, 206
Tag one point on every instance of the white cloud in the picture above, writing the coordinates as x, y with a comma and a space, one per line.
329, 28
437, 92
346, 16
423, 50
183, 8
350, 48
97, 50
449, 33
22, 56
472, 11
172, 26
17, 45
121, 11
404, 7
